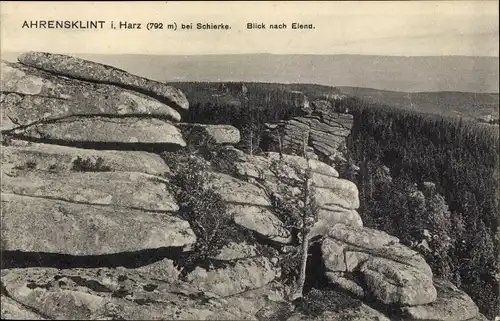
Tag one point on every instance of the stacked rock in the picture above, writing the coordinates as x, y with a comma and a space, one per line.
322, 129
52, 106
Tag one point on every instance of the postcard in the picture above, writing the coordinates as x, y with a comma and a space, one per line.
250, 160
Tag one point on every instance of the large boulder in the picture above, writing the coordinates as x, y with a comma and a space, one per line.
129, 190
78, 68
56, 158
451, 304
198, 134
391, 272
102, 130
33, 224
56, 97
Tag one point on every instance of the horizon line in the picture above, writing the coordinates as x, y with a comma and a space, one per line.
255, 53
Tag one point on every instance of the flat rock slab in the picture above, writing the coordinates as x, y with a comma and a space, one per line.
115, 189
362, 236
21, 155
243, 276
106, 130
33, 224
33, 95
113, 294
198, 134
78, 68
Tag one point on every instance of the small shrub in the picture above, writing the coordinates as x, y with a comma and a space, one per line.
202, 207
316, 302
90, 165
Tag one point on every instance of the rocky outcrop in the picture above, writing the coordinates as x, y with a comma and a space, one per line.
126, 294
337, 198
322, 128
130, 190
58, 97
389, 271
77, 68
93, 226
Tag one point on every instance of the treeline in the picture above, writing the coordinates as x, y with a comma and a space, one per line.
427, 177
248, 106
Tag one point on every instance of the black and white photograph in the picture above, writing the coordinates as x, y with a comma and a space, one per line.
250, 160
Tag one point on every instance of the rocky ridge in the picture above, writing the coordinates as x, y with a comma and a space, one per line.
91, 228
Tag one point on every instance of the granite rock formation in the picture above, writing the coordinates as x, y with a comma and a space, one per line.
92, 228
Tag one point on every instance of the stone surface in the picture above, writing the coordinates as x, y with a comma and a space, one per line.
330, 189
361, 313
236, 191
234, 251
197, 134
392, 273
260, 220
331, 215
78, 68
29, 224
245, 275
12, 310
362, 237
451, 304
55, 158
56, 97
129, 190
337, 279
397, 284
322, 127
96, 130
113, 294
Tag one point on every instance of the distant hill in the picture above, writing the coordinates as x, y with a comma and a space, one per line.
463, 104
407, 74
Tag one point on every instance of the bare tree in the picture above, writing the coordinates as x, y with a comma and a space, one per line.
295, 198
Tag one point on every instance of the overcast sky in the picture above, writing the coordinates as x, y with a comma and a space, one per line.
409, 28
